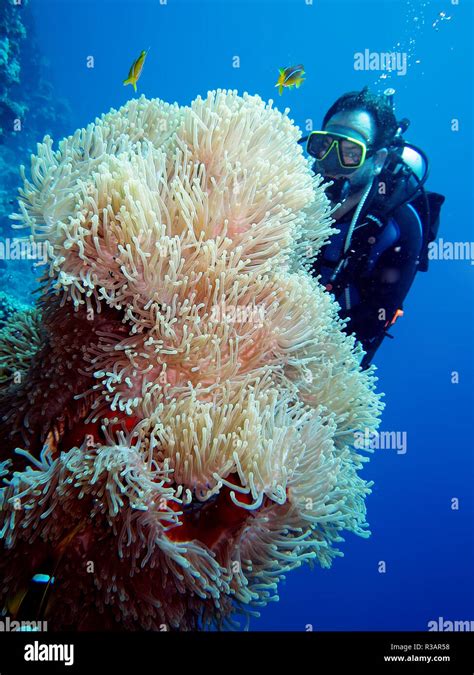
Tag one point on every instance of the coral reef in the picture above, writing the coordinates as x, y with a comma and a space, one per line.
182, 435
13, 32
26, 114
13, 104
20, 339
9, 305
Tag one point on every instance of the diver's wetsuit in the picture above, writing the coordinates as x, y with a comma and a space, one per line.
381, 264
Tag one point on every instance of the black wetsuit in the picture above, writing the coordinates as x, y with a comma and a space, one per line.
378, 270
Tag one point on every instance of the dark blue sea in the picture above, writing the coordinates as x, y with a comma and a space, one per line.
417, 566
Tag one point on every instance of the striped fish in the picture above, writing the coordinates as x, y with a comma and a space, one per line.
290, 77
136, 70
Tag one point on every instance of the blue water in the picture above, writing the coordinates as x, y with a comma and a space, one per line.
427, 546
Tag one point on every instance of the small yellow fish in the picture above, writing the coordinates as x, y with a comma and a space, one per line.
290, 77
136, 70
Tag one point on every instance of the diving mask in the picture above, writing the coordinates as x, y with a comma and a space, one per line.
337, 154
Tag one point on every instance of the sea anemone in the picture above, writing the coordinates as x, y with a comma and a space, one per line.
184, 433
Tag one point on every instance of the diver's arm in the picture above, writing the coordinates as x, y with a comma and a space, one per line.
386, 281
382, 294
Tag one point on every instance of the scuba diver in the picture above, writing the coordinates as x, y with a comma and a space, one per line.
385, 217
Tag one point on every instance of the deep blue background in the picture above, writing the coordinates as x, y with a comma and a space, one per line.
428, 548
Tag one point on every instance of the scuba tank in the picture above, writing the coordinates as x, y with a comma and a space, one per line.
405, 173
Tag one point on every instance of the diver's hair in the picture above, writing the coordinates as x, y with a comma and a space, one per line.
378, 108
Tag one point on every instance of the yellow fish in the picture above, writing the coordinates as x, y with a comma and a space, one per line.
136, 70
290, 77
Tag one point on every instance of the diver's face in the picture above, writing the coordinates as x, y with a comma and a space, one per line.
360, 125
